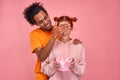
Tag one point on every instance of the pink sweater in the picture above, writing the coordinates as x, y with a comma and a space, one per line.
68, 49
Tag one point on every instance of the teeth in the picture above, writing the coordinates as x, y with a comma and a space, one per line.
47, 26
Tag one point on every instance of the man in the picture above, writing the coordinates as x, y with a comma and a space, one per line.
43, 38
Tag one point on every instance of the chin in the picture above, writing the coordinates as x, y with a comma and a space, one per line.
50, 29
64, 37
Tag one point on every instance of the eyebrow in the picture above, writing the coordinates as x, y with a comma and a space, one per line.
42, 18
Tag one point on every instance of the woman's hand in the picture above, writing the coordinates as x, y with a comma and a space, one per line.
72, 65
56, 64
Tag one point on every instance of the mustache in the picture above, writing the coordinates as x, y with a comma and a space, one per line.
49, 22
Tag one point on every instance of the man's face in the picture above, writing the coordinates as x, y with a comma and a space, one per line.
43, 20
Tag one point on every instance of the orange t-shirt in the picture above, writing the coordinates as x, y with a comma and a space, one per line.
39, 38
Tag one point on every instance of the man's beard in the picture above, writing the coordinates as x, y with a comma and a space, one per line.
50, 29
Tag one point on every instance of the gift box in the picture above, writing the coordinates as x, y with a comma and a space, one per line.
64, 62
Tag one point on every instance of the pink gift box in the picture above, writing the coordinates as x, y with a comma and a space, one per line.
64, 63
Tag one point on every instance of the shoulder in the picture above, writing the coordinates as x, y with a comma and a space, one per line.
77, 41
80, 45
35, 32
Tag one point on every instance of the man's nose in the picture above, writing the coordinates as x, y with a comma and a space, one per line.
45, 21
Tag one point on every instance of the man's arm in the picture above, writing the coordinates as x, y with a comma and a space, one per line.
43, 53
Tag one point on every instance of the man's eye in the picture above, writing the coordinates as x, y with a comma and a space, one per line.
46, 17
40, 22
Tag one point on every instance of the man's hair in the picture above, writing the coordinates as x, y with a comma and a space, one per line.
32, 10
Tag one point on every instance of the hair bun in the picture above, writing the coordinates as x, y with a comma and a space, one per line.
56, 19
74, 19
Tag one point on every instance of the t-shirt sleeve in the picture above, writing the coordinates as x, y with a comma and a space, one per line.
34, 41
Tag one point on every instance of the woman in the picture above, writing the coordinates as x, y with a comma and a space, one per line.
66, 60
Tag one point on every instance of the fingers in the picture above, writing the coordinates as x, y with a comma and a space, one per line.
56, 31
77, 41
59, 30
73, 61
55, 64
63, 28
72, 64
56, 24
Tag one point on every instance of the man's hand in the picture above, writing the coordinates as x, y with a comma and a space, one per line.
59, 30
77, 41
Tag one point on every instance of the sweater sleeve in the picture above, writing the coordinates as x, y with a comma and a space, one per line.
48, 68
80, 63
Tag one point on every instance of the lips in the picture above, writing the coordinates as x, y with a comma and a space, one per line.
65, 33
48, 26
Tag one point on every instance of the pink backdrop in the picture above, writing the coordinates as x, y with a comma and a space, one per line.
98, 26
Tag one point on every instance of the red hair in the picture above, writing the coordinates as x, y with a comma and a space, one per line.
65, 18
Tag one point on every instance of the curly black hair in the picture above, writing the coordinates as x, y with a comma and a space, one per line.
31, 11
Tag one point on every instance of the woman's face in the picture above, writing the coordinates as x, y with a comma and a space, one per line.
67, 30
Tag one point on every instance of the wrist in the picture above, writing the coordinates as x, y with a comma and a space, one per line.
54, 37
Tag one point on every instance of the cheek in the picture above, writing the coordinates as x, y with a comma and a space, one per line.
42, 26
49, 20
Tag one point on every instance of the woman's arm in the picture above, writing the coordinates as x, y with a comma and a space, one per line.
47, 67
79, 63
